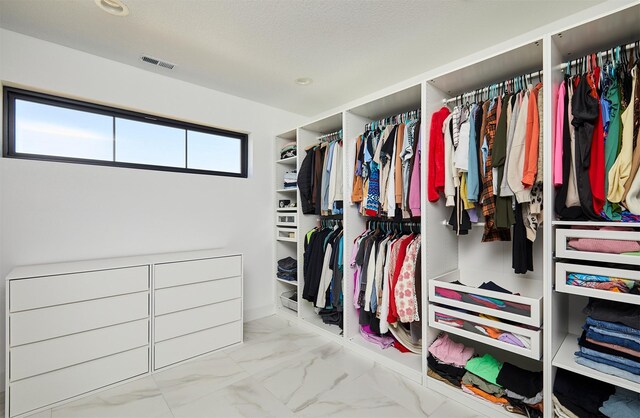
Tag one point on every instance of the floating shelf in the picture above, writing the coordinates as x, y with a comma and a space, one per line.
290, 283
565, 359
288, 161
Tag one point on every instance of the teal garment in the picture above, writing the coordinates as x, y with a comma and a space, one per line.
612, 146
486, 367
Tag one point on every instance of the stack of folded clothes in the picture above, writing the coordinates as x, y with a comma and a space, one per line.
611, 284
491, 332
291, 179
447, 359
576, 396
288, 150
610, 342
609, 246
516, 389
287, 269
489, 302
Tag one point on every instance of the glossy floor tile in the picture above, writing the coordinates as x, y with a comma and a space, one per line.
281, 370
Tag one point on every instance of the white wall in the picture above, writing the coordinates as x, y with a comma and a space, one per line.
52, 212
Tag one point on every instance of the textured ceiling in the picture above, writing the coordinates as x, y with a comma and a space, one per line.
256, 49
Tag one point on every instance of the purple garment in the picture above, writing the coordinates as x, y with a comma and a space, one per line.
473, 215
380, 341
510, 339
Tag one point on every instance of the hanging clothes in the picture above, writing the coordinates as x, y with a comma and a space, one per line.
319, 179
323, 272
386, 177
602, 111
387, 289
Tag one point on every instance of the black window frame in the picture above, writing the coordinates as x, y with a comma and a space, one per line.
11, 94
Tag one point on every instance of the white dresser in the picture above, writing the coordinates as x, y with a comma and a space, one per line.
73, 328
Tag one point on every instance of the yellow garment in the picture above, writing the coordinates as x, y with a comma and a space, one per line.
463, 192
621, 169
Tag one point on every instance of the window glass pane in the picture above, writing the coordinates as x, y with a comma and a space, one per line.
56, 131
146, 143
213, 152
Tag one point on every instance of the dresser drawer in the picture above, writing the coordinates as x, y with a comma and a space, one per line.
178, 349
192, 320
56, 321
191, 296
49, 355
186, 272
67, 288
45, 389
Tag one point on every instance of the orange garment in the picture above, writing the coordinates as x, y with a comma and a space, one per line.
485, 395
531, 139
356, 190
493, 333
398, 168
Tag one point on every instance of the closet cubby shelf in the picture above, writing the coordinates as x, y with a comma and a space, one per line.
465, 398
288, 161
562, 269
535, 336
288, 282
530, 295
287, 210
565, 359
290, 190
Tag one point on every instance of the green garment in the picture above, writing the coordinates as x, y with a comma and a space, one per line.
636, 253
473, 380
612, 146
504, 215
485, 367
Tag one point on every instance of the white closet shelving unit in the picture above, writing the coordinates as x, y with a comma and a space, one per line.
466, 258
555, 309
308, 136
286, 217
355, 120
566, 302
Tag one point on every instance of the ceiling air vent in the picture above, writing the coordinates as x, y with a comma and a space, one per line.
157, 62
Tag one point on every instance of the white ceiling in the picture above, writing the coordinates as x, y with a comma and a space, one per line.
256, 49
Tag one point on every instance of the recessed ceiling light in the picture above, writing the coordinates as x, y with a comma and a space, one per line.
304, 81
114, 7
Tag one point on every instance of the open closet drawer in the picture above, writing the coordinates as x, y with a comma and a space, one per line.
598, 245
597, 285
469, 326
518, 308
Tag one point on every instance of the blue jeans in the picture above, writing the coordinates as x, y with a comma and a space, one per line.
633, 366
619, 339
613, 326
631, 370
605, 368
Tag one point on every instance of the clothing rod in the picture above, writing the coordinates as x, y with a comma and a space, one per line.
575, 62
336, 134
486, 89
400, 117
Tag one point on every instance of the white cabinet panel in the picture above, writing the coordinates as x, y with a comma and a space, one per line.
191, 345
45, 356
175, 274
190, 296
35, 392
56, 321
67, 288
192, 320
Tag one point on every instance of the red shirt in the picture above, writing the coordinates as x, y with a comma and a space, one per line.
435, 181
596, 165
392, 317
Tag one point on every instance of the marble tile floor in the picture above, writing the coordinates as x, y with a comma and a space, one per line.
280, 371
